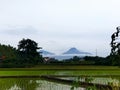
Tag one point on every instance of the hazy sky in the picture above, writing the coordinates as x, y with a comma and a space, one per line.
58, 25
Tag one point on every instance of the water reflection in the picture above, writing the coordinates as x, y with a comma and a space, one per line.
17, 84
42, 84
32, 84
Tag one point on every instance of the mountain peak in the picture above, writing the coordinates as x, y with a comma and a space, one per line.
74, 50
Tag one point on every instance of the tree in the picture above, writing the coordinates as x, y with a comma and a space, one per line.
115, 44
8, 56
115, 48
27, 49
7, 52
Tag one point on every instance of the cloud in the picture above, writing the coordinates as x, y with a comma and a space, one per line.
58, 24
18, 30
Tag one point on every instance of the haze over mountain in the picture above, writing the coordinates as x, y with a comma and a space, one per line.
46, 53
66, 55
75, 51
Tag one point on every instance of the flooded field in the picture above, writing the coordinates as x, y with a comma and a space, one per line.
32, 84
45, 84
61, 78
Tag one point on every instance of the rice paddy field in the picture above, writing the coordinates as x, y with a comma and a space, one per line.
64, 77
75, 70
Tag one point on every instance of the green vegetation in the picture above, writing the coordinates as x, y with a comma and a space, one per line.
57, 70
28, 55
87, 60
114, 57
7, 52
18, 84
62, 70
25, 56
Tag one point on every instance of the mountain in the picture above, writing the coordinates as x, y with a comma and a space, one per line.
66, 55
74, 51
45, 53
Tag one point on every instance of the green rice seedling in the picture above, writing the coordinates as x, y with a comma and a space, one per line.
76, 83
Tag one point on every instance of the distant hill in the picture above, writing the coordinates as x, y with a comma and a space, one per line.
75, 51
45, 53
66, 55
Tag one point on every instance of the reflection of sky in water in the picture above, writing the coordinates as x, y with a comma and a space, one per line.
105, 81
33, 84
45, 85
96, 80
15, 88
40, 84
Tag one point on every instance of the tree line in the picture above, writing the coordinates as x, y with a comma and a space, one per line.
112, 60
25, 55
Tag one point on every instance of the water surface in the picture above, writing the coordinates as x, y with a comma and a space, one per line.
43, 84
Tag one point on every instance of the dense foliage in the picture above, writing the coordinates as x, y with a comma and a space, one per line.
25, 56
28, 53
114, 57
7, 52
76, 60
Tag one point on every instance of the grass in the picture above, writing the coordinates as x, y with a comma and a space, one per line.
62, 67
76, 67
62, 70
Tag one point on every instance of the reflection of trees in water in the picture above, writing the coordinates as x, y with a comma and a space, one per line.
26, 83
5, 84
22, 83
30, 84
